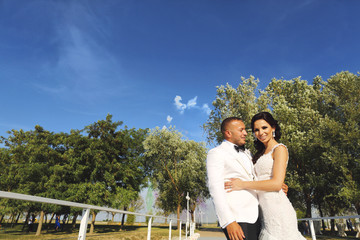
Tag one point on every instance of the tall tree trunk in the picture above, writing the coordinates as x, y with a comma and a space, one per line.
17, 219
123, 218
122, 221
322, 220
332, 213
10, 220
49, 223
2, 218
92, 226
308, 205
73, 224
112, 216
332, 221
52, 216
38, 232
192, 212
26, 220
66, 217
178, 215
46, 222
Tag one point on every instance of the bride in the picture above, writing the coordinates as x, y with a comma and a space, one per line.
279, 216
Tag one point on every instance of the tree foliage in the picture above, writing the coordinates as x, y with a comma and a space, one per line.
320, 126
341, 98
96, 165
240, 101
177, 167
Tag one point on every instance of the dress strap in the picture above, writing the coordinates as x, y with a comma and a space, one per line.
277, 145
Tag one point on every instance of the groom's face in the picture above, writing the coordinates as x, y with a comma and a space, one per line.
236, 132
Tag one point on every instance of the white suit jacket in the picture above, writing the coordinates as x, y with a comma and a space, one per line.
224, 162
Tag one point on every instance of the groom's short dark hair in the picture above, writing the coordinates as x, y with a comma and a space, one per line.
226, 121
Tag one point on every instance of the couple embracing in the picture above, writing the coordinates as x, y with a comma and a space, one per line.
239, 183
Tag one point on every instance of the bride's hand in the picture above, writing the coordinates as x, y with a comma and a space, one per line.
233, 185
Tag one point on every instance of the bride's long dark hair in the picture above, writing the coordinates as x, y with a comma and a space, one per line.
259, 146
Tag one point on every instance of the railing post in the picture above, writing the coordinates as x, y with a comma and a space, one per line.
312, 230
149, 229
180, 231
170, 229
83, 225
187, 215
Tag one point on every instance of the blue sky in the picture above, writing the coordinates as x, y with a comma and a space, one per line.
66, 64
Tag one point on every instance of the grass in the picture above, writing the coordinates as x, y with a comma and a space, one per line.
105, 231
102, 231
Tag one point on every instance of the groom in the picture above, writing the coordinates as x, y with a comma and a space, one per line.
237, 211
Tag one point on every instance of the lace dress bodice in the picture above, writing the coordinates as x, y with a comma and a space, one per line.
279, 216
264, 165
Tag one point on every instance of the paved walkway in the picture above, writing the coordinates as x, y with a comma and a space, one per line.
212, 238
211, 234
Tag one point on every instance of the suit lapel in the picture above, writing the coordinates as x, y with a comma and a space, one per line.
230, 150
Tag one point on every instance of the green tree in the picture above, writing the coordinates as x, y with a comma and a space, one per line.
116, 162
318, 166
340, 104
313, 118
241, 102
78, 159
294, 105
31, 154
177, 167
87, 166
121, 200
134, 206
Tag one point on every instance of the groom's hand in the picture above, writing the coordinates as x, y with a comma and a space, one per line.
234, 231
285, 188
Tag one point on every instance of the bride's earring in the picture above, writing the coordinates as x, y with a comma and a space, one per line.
273, 134
255, 138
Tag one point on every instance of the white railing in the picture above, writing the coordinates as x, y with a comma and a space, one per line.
311, 223
86, 207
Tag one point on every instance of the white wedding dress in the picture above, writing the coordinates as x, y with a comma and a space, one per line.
279, 216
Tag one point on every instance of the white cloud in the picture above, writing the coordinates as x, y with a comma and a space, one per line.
180, 106
192, 103
85, 67
169, 119
206, 109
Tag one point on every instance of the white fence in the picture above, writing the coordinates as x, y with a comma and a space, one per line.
86, 207
341, 227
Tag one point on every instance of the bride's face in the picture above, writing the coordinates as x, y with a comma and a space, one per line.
263, 131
